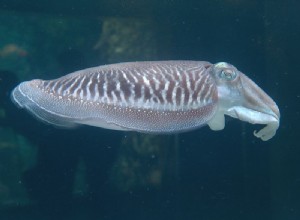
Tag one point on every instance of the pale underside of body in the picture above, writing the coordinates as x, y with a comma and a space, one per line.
151, 97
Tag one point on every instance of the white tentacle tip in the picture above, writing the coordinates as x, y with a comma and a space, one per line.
267, 132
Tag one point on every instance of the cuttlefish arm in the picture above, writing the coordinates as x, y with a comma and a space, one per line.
239, 97
254, 117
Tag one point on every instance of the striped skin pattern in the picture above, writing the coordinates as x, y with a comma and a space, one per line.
165, 96
157, 86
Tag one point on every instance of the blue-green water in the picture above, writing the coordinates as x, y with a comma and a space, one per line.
92, 173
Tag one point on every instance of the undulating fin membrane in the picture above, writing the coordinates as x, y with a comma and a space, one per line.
24, 101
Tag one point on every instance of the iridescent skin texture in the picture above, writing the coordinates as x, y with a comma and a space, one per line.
151, 97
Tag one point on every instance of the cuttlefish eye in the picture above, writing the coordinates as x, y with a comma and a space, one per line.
227, 74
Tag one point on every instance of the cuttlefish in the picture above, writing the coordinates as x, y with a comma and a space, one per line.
151, 97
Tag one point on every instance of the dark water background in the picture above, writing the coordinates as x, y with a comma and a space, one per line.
92, 173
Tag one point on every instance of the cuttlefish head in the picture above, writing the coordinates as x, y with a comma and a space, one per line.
239, 97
